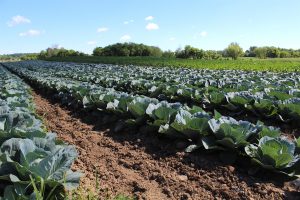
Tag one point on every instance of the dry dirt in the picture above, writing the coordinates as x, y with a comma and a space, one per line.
148, 167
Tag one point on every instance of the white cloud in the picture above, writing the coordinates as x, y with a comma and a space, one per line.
128, 22
172, 38
102, 29
31, 32
149, 18
203, 34
125, 38
56, 46
15, 20
152, 26
91, 42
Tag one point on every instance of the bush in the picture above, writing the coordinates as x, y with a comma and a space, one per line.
59, 52
261, 52
233, 50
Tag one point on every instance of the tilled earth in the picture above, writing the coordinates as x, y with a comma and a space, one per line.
144, 166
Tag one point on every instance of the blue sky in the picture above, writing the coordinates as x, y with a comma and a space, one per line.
32, 25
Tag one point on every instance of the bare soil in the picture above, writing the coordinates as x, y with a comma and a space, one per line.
144, 166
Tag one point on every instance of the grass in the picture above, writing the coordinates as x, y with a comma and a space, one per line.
91, 193
81, 194
277, 64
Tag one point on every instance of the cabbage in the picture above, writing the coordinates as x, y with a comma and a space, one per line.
277, 154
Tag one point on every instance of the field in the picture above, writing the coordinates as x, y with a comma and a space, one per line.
279, 64
151, 132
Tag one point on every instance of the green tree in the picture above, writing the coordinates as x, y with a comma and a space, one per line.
295, 54
284, 54
168, 54
273, 52
58, 52
98, 51
128, 49
261, 52
212, 55
233, 50
189, 52
250, 52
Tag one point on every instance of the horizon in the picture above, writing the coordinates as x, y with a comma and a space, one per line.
61, 47
28, 28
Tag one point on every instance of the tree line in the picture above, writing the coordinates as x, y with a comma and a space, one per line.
128, 49
233, 51
19, 56
59, 52
271, 52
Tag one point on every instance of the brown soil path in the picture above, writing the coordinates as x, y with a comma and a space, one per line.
147, 167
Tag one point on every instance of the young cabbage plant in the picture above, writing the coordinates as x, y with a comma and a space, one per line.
290, 111
213, 99
297, 144
39, 159
229, 133
162, 112
264, 107
269, 131
192, 126
161, 115
19, 124
138, 106
276, 154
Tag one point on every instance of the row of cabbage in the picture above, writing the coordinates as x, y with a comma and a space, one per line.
236, 79
266, 146
265, 94
33, 163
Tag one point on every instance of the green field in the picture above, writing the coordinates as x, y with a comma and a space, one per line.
279, 64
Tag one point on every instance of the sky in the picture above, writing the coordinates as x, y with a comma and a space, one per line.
33, 25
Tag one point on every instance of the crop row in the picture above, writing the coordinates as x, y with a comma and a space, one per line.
266, 146
279, 65
264, 94
33, 163
236, 79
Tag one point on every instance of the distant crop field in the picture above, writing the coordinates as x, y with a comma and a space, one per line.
280, 64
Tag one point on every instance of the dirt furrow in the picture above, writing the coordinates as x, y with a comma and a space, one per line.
144, 166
